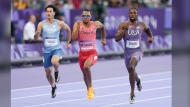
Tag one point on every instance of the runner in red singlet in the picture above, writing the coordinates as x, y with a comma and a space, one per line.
85, 32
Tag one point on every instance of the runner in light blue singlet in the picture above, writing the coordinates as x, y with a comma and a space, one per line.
50, 29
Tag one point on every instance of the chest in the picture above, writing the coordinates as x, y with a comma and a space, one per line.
50, 29
134, 30
87, 33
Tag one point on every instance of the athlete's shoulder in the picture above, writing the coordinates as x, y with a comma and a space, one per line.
41, 23
95, 22
143, 24
78, 21
124, 23
61, 22
58, 21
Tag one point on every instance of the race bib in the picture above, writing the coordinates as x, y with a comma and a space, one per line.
86, 45
51, 42
132, 44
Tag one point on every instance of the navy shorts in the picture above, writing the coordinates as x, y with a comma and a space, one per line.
48, 57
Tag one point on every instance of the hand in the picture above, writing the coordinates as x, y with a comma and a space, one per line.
38, 31
36, 36
103, 42
68, 45
150, 40
78, 25
126, 26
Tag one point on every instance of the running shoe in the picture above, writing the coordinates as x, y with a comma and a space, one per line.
132, 99
139, 85
57, 77
53, 94
90, 93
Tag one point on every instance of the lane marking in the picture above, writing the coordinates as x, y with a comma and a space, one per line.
152, 89
107, 79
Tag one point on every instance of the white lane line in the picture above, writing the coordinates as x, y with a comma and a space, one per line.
111, 105
152, 89
107, 79
110, 86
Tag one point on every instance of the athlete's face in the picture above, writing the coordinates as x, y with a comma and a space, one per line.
50, 13
133, 15
86, 17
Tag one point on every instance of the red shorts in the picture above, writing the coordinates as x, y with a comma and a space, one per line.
84, 55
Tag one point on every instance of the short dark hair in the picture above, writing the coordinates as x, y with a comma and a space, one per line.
51, 6
86, 10
133, 8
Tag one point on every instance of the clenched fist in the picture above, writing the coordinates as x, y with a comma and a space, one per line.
150, 40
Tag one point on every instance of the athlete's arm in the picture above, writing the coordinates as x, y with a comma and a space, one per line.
99, 25
38, 32
121, 31
75, 32
67, 28
148, 32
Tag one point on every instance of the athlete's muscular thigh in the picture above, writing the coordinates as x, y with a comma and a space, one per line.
133, 62
87, 63
55, 59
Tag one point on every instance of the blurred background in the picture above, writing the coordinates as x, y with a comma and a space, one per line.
25, 15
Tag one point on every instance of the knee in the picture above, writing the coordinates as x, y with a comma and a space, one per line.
86, 68
48, 73
54, 62
131, 68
